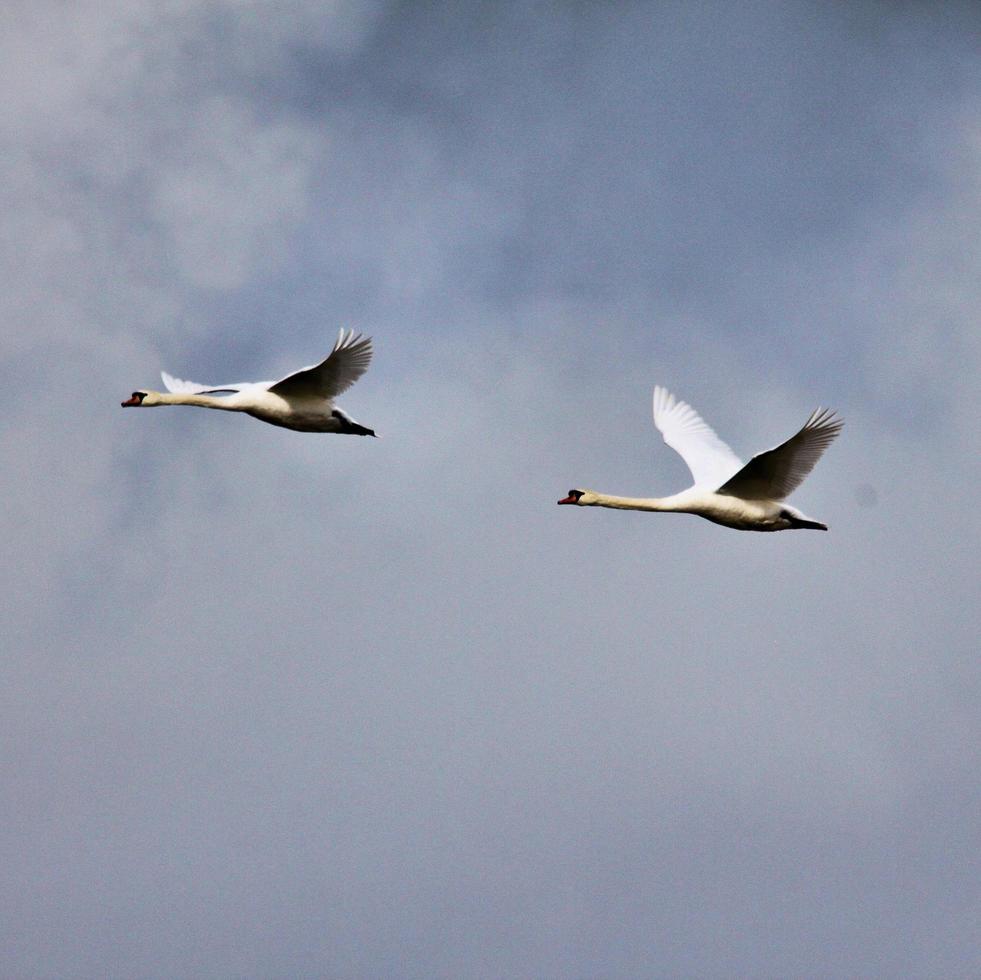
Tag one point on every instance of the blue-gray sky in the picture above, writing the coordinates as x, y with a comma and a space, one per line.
289, 705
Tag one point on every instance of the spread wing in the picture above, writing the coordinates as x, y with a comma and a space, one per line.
776, 473
343, 366
176, 385
710, 460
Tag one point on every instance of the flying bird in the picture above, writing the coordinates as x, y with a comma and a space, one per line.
303, 400
748, 498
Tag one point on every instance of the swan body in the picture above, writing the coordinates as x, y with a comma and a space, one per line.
303, 400
747, 498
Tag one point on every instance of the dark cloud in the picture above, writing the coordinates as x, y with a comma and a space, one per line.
284, 705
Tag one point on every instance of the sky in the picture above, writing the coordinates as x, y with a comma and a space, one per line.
295, 705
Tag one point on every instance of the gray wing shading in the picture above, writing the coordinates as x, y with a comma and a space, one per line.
178, 386
710, 460
777, 473
343, 366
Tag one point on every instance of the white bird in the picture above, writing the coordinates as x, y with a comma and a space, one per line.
748, 498
303, 400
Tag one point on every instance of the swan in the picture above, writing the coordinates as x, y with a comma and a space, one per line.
303, 400
747, 498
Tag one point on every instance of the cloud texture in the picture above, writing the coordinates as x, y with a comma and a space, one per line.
289, 705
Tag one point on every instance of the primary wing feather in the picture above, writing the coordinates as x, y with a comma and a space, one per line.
710, 460
334, 375
777, 473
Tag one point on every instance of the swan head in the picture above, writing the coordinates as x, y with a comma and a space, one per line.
584, 498
144, 398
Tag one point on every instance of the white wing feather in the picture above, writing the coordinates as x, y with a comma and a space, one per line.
710, 460
176, 385
778, 472
343, 366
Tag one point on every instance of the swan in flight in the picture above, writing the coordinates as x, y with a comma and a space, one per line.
748, 498
303, 400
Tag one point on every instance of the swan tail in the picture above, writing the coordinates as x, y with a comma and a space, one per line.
349, 427
804, 523
797, 521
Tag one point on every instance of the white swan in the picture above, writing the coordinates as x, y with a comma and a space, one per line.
748, 498
303, 400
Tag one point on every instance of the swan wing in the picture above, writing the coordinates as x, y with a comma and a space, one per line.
777, 473
710, 460
335, 374
179, 386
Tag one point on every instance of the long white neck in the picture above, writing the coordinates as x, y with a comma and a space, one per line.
200, 401
631, 503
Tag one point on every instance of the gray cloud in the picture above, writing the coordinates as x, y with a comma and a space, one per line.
290, 706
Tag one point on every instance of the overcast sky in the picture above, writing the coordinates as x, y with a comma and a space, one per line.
295, 705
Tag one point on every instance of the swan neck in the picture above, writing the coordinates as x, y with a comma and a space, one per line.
200, 401
630, 503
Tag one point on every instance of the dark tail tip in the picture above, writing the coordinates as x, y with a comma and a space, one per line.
812, 525
802, 522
